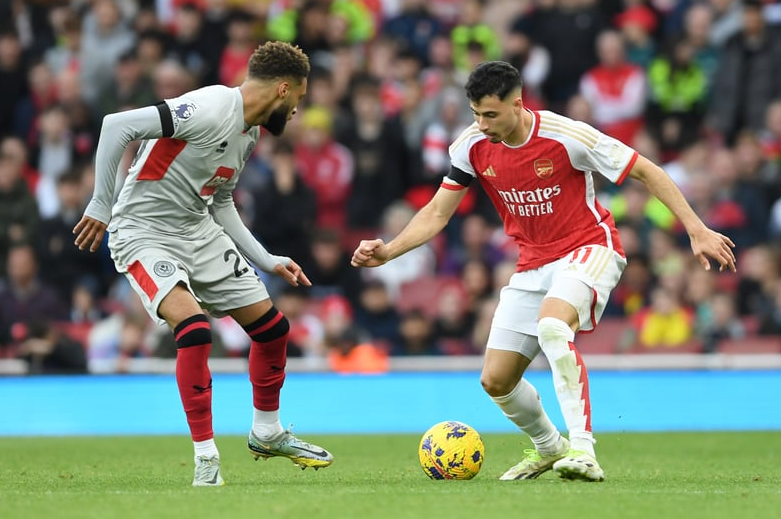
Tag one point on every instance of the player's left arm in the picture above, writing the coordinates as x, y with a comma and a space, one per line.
706, 244
225, 213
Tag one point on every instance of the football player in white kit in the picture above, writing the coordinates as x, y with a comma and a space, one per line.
176, 235
537, 168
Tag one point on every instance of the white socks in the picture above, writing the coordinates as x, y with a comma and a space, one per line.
522, 406
570, 380
266, 424
206, 448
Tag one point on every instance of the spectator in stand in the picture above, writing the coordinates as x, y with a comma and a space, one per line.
24, 297
724, 323
724, 216
453, 319
306, 327
474, 242
698, 291
326, 166
615, 89
414, 25
568, 29
65, 55
125, 334
638, 23
354, 352
42, 93
54, 155
745, 193
336, 314
633, 291
376, 314
170, 79
528, 56
745, 82
190, 47
81, 117
284, 207
379, 155
698, 21
329, 269
471, 28
13, 80
770, 316
445, 125
755, 173
47, 351
15, 150
62, 264
129, 87
416, 264
665, 323
417, 335
240, 46
19, 217
759, 274
727, 17
152, 44
634, 206
105, 37
678, 96
770, 135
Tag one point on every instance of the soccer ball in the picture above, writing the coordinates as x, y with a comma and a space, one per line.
451, 450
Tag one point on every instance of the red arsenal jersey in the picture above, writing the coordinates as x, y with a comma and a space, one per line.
544, 188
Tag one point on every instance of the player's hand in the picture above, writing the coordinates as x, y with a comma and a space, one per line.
89, 233
708, 244
292, 273
370, 253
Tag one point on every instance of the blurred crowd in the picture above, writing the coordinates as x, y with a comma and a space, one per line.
694, 85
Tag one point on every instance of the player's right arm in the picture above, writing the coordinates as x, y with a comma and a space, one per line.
426, 224
118, 130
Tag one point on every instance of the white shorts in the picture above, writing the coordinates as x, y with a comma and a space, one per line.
209, 265
583, 278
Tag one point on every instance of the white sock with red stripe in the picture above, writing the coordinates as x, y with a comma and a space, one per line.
570, 380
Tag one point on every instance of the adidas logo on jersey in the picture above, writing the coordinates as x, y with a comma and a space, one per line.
489, 172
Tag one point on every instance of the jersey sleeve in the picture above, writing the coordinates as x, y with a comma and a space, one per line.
193, 118
459, 150
592, 150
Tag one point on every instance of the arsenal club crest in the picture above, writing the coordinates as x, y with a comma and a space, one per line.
543, 168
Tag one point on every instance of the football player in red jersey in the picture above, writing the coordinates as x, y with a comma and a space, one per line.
538, 169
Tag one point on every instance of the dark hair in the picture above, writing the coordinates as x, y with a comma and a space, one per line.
492, 78
278, 60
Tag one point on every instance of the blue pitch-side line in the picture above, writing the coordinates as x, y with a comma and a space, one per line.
394, 403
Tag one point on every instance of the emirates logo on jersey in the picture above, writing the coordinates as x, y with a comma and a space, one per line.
543, 168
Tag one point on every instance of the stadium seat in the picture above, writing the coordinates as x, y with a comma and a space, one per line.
422, 294
748, 345
692, 346
604, 340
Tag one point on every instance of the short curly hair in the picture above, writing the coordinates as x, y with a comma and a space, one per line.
276, 60
492, 78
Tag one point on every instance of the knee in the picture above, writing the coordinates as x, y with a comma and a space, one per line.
496, 386
553, 329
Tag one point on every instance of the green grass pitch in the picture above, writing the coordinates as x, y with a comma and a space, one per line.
670, 475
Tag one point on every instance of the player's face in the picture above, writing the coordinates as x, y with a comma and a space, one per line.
498, 119
279, 117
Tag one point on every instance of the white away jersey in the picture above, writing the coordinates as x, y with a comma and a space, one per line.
543, 189
173, 179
